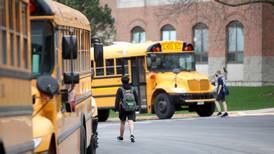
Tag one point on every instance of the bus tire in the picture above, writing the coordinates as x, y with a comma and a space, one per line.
103, 115
52, 146
83, 140
163, 106
2, 149
92, 145
205, 110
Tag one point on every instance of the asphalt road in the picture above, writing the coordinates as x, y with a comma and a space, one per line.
212, 135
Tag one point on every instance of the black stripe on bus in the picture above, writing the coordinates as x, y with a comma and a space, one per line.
101, 96
70, 131
79, 100
117, 85
107, 86
107, 77
15, 74
21, 148
6, 111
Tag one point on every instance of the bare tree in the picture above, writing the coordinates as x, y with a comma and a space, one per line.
212, 9
235, 3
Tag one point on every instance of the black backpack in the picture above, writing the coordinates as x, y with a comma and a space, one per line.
128, 102
225, 90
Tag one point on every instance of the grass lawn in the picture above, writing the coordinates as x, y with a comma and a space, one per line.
240, 98
249, 98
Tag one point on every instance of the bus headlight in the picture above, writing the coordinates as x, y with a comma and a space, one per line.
37, 141
178, 90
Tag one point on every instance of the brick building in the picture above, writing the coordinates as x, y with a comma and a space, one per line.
239, 38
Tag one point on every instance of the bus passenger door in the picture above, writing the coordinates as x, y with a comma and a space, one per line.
138, 80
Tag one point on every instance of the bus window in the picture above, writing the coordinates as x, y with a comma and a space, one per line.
2, 33
110, 66
18, 33
99, 71
171, 62
25, 34
119, 66
35, 62
190, 64
42, 47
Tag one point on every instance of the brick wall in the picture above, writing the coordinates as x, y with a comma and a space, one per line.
257, 20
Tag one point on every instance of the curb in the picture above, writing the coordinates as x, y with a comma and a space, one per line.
259, 112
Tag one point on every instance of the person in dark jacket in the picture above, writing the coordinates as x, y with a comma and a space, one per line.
123, 115
220, 99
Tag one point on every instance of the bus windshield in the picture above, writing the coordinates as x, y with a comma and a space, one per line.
171, 62
42, 47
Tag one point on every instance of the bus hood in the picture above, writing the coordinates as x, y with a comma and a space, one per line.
183, 82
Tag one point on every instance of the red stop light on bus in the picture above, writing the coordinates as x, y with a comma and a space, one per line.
188, 47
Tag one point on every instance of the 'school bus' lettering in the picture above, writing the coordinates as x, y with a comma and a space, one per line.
176, 46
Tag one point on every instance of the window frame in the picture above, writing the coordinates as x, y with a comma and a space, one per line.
168, 28
139, 30
203, 53
14, 33
235, 25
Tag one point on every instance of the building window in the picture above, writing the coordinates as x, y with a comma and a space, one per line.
168, 32
235, 42
138, 35
200, 40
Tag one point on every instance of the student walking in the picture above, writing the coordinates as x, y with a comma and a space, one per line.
221, 91
126, 103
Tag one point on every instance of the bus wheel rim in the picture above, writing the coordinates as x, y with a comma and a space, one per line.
162, 106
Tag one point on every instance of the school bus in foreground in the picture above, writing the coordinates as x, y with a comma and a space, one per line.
15, 78
60, 48
163, 72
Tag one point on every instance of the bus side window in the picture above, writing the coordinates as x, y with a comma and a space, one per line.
110, 66
119, 66
126, 66
99, 71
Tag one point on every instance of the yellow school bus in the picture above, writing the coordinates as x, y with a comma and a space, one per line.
163, 72
60, 53
15, 78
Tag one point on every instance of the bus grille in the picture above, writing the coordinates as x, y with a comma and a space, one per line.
196, 96
198, 85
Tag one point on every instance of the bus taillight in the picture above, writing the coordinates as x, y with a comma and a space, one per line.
187, 47
155, 48
32, 7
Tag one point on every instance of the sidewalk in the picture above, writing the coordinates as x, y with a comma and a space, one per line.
267, 111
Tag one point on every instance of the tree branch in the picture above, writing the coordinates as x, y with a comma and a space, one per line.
244, 3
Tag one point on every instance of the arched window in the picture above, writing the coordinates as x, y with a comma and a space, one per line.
200, 40
168, 32
138, 35
235, 42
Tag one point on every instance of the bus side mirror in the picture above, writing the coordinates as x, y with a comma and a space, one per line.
98, 54
71, 78
69, 47
47, 85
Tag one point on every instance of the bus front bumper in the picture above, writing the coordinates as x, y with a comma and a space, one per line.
188, 98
